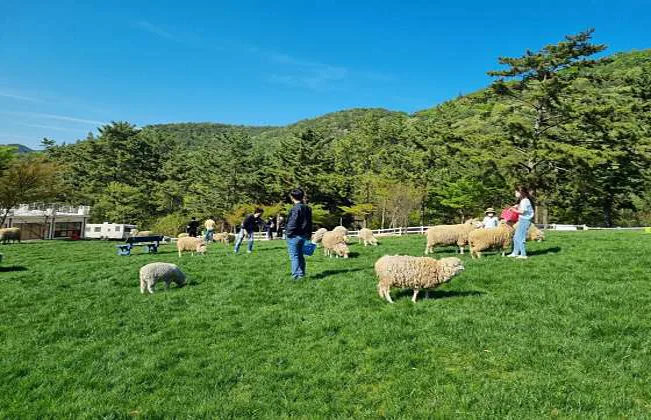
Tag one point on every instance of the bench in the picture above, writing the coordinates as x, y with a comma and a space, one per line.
150, 243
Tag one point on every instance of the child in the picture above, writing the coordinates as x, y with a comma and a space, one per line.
490, 221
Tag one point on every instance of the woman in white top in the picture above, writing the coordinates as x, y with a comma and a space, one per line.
525, 212
490, 221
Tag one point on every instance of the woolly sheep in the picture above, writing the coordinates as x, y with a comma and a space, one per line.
191, 244
317, 237
533, 234
340, 250
450, 235
332, 243
366, 235
414, 272
152, 273
225, 238
182, 235
137, 232
343, 231
500, 237
9, 234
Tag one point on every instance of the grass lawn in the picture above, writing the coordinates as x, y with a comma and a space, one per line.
567, 332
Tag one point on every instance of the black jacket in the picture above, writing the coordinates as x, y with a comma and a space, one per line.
299, 221
250, 223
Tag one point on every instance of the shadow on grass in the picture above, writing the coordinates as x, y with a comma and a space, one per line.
12, 268
328, 273
437, 294
552, 250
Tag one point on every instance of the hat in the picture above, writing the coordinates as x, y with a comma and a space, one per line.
489, 210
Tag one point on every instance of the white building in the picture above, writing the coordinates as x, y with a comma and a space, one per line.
48, 221
108, 230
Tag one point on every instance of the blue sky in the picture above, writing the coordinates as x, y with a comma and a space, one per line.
68, 66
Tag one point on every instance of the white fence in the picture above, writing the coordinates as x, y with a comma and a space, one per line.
420, 230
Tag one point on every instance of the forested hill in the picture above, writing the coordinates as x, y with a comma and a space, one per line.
332, 125
576, 129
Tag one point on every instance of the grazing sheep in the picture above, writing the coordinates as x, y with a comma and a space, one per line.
225, 238
343, 231
152, 273
182, 235
191, 244
317, 237
9, 234
366, 235
414, 272
500, 237
450, 235
137, 232
533, 234
331, 243
340, 250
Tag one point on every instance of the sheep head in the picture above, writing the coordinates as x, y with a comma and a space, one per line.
450, 267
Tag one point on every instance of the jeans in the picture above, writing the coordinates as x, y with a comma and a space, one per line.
520, 237
209, 235
295, 249
239, 240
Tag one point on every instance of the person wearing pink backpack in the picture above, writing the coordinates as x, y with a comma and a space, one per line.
524, 209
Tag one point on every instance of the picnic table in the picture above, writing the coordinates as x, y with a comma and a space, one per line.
150, 244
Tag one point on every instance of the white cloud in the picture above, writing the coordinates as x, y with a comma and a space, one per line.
55, 117
19, 97
156, 30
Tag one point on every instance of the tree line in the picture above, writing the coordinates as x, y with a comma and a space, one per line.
574, 128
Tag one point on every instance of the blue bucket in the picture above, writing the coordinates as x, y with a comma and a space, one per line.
309, 248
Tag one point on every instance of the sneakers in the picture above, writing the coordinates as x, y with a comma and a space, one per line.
249, 252
522, 257
512, 256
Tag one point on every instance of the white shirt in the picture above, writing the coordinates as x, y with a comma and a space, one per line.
526, 209
490, 222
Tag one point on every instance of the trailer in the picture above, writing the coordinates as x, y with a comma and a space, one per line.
108, 230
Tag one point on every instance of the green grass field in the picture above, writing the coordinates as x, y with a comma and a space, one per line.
567, 333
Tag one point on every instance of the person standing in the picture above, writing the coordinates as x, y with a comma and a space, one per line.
280, 232
269, 228
210, 229
524, 208
192, 227
248, 228
298, 231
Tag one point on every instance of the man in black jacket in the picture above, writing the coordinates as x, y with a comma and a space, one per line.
298, 231
248, 227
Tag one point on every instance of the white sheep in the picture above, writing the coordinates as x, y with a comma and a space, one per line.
500, 237
191, 244
152, 273
343, 231
317, 237
366, 235
138, 233
183, 235
450, 235
10, 234
334, 243
414, 272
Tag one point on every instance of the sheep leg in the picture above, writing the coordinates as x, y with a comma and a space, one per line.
179, 253
387, 295
150, 287
142, 286
413, 298
461, 249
